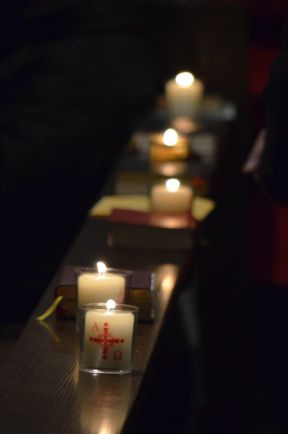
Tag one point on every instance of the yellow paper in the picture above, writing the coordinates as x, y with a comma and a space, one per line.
200, 209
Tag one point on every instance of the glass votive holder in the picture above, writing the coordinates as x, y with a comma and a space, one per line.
98, 287
107, 337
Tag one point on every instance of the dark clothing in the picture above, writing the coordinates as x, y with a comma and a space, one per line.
273, 166
74, 76
269, 295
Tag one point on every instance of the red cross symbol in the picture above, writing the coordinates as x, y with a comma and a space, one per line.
106, 340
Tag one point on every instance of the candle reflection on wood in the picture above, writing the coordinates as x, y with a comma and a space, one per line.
103, 402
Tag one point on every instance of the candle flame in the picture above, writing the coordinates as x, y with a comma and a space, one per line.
172, 185
110, 304
184, 79
170, 137
101, 267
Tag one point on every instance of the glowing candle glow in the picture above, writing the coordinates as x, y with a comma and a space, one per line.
168, 146
98, 287
171, 197
183, 94
101, 267
184, 79
172, 185
170, 137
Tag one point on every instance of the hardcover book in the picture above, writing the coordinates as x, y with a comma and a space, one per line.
148, 230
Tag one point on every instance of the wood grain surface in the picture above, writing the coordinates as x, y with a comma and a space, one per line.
41, 388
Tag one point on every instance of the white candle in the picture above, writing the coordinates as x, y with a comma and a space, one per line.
183, 94
171, 197
108, 339
101, 286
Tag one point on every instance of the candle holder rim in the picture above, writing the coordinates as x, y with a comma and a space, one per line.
183, 182
93, 270
119, 307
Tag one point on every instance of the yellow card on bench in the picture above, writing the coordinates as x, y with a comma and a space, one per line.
200, 209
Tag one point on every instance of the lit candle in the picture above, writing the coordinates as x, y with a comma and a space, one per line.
108, 337
168, 146
171, 197
170, 137
183, 94
98, 287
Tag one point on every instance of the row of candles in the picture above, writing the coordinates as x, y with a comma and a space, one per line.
106, 325
111, 323
183, 96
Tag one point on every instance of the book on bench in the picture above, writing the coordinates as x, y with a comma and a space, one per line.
140, 294
148, 230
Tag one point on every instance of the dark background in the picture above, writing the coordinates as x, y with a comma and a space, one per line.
74, 78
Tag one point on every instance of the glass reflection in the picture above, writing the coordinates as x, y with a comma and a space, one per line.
104, 401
